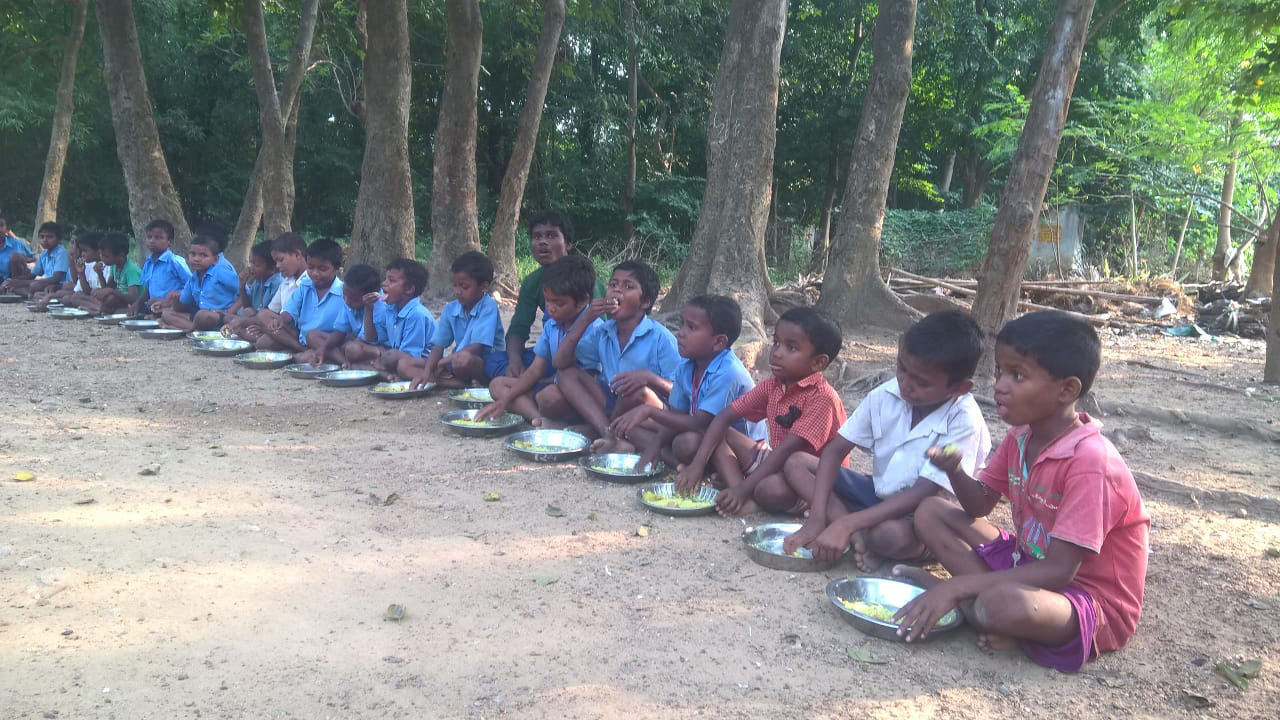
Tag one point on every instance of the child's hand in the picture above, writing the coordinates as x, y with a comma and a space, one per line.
630, 382
600, 306
98, 267
803, 537
830, 544
369, 299
421, 381
628, 421
275, 325
919, 616
492, 410
311, 357
157, 307
945, 458
688, 478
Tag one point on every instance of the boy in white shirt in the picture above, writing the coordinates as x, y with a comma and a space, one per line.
289, 251
928, 403
83, 278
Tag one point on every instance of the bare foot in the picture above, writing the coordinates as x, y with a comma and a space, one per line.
748, 508
547, 423
611, 445
996, 643
866, 560
916, 576
800, 508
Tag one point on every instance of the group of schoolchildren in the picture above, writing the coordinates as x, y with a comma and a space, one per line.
1066, 585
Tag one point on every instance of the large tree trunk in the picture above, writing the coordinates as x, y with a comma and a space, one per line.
852, 290
1224, 246
453, 192
383, 228
726, 255
633, 115
146, 174
975, 174
1271, 373
948, 171
502, 240
60, 136
1264, 261
1000, 279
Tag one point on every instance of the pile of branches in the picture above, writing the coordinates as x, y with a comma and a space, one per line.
1221, 308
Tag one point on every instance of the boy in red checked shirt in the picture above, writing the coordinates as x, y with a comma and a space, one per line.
801, 410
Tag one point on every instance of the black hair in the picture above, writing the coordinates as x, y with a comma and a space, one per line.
215, 231
262, 251
92, 240
362, 277
476, 264
163, 224
1064, 345
289, 243
554, 218
645, 275
821, 330
950, 340
326, 249
54, 228
207, 241
571, 275
723, 312
415, 273
115, 243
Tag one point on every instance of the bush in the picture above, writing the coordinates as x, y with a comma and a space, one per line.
937, 243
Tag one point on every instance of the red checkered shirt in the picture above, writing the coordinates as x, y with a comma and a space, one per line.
821, 413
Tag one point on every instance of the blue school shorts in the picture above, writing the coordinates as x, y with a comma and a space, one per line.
495, 363
855, 490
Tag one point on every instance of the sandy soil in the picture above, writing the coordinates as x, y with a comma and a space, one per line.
249, 576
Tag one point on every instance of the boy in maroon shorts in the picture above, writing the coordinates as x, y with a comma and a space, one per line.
1068, 586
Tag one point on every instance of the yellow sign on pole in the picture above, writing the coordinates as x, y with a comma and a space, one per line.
1051, 234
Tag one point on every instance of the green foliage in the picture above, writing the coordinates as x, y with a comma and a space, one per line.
937, 243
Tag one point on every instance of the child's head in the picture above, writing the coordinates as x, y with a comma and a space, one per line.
289, 251
159, 236
89, 246
550, 236
633, 288
1044, 362
4, 227
113, 248
708, 325
50, 235
567, 286
937, 357
804, 342
472, 273
324, 259
214, 231
404, 280
261, 264
359, 281
203, 253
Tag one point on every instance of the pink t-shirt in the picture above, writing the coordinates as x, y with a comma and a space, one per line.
1079, 490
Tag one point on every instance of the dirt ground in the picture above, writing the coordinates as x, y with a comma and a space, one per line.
248, 577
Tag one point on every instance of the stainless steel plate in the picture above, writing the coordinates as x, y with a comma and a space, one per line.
471, 397
464, 422
307, 371
547, 445
140, 324
262, 360
400, 390
222, 347
162, 334
662, 498
620, 468
887, 593
764, 545
348, 378
115, 319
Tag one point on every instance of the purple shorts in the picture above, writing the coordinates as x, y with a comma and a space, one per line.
1074, 653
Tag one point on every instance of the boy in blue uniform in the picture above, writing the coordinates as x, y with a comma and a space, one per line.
163, 272
315, 305
14, 253
709, 378
567, 286
635, 356
81, 280
258, 284
470, 323
405, 325
358, 322
50, 269
208, 294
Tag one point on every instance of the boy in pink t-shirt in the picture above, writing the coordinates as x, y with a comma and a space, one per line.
1068, 585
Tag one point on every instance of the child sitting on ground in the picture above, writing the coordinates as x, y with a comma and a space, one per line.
50, 270
359, 319
928, 403
14, 253
204, 300
567, 287
635, 356
122, 281
405, 325
316, 304
82, 253
709, 378
163, 272
470, 323
1069, 585
801, 409
258, 283
289, 253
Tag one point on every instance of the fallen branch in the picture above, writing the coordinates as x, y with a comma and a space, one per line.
1022, 304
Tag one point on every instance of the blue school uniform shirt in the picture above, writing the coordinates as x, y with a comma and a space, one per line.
312, 312
408, 329
215, 290
726, 379
164, 274
553, 334
482, 325
52, 261
261, 291
12, 245
650, 347
351, 322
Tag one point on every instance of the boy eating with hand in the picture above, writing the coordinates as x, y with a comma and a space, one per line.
316, 304
470, 323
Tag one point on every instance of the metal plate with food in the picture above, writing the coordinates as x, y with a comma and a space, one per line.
471, 397
400, 390
198, 335
349, 378
263, 360
162, 334
869, 603
68, 313
764, 545
10, 298
222, 347
621, 467
138, 325
663, 499
547, 445
307, 371
464, 422
115, 319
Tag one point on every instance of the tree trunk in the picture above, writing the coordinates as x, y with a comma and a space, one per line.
502, 240
1271, 373
1224, 245
1264, 261
146, 174
633, 113
822, 242
1182, 233
1006, 261
250, 219
1133, 238
383, 228
948, 171
852, 291
726, 255
60, 136
453, 193
976, 174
